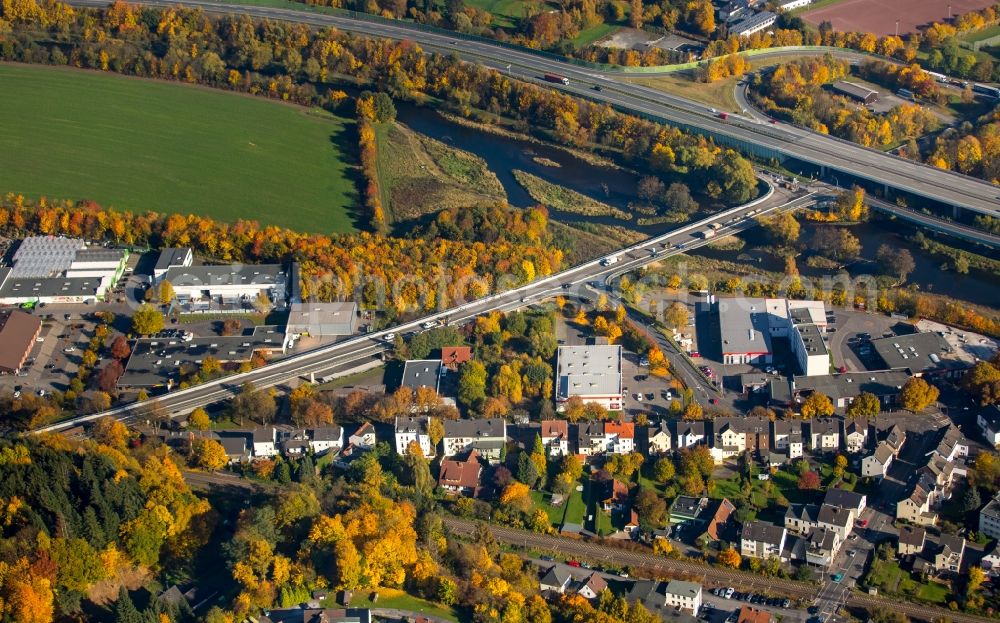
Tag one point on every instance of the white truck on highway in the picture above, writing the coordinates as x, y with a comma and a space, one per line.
608, 261
708, 233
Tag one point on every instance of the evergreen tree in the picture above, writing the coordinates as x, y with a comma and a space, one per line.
125, 611
283, 473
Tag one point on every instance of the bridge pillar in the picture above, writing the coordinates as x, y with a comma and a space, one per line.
822, 171
955, 212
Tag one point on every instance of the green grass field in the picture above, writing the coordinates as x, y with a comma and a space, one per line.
145, 145
979, 35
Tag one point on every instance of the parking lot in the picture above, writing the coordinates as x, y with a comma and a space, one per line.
55, 356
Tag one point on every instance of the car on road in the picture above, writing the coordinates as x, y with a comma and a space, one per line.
644, 361
786, 603
69, 349
862, 523
546, 558
852, 552
638, 397
567, 286
623, 574
572, 563
650, 396
430, 324
837, 577
389, 337
694, 354
713, 401
729, 592
17, 393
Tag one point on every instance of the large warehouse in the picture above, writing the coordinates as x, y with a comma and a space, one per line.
747, 326
594, 373
18, 331
201, 287
51, 269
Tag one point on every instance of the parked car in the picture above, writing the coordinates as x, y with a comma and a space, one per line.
572, 563
838, 577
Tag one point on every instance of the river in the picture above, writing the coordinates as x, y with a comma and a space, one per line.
618, 188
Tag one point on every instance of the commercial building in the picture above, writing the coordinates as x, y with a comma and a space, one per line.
205, 288
50, 269
747, 326
171, 258
754, 23
418, 373
791, 5
855, 92
593, 373
841, 388
925, 353
322, 319
18, 332
163, 362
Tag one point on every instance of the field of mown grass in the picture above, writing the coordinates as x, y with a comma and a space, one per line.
147, 145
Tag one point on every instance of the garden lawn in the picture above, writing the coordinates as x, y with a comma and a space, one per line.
141, 145
505, 12
542, 501
397, 599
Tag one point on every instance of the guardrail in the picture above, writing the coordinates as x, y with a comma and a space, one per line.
293, 360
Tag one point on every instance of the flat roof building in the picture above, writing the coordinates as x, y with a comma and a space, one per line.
920, 352
754, 23
419, 373
322, 319
745, 330
54, 269
18, 331
841, 388
855, 91
200, 286
172, 258
594, 373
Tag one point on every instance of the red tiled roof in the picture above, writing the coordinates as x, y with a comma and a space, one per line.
624, 430
452, 356
753, 615
555, 428
461, 473
720, 517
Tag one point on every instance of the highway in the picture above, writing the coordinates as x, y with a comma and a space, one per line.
830, 153
362, 348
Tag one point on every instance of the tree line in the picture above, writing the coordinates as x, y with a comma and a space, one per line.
294, 63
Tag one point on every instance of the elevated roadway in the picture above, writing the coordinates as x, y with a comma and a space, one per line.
363, 348
762, 139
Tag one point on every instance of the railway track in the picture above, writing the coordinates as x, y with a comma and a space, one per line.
711, 576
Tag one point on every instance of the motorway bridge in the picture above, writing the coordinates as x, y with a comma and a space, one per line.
321, 360
828, 154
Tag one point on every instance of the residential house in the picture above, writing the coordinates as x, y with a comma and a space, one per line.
461, 476
264, 442
839, 520
615, 495
413, 429
729, 439
896, 438
690, 434
685, 596
488, 436
822, 545
293, 443
990, 562
989, 423
989, 519
876, 465
454, 356
631, 527
749, 614
762, 540
911, 540
951, 444
685, 510
325, 438
310, 614
715, 517
592, 587
856, 435
948, 559
801, 518
916, 507
237, 444
363, 437
824, 434
786, 439
555, 580
658, 439
848, 500
590, 438
620, 437
555, 437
